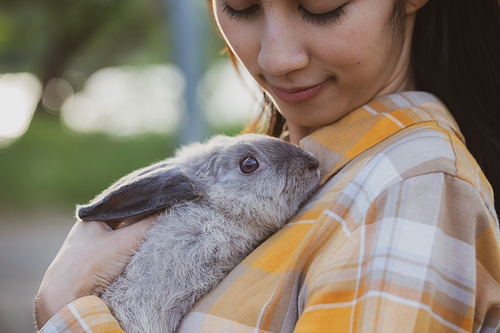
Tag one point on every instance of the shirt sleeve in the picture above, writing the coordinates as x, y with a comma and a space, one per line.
87, 314
425, 258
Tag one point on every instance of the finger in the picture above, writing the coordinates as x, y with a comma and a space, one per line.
133, 234
91, 227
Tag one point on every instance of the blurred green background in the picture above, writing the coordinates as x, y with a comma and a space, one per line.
51, 166
106, 94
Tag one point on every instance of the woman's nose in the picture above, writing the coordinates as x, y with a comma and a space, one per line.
282, 50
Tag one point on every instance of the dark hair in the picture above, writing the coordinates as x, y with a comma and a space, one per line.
456, 56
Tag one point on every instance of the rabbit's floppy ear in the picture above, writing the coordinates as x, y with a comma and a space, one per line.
139, 194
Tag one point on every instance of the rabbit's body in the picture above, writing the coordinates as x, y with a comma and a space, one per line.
153, 293
219, 209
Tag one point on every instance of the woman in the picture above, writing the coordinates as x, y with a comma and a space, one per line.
402, 235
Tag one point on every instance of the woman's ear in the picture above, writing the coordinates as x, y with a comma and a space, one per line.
411, 6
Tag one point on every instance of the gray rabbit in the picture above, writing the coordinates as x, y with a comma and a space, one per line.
214, 203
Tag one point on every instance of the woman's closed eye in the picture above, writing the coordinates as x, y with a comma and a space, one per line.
330, 17
322, 18
244, 14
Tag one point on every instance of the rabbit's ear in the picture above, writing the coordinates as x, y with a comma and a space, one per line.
151, 190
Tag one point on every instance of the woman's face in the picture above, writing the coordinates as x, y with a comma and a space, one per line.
318, 59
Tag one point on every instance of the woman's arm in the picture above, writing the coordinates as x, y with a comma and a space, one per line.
91, 258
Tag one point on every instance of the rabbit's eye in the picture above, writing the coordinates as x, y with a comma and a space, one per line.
249, 165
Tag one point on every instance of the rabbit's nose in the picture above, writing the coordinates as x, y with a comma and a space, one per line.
312, 162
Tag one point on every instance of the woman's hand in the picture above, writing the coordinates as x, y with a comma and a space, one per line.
91, 258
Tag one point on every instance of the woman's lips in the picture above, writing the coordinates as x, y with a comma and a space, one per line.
298, 95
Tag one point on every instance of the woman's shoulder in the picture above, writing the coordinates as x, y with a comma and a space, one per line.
424, 152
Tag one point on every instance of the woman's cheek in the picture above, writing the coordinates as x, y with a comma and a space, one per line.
241, 41
351, 58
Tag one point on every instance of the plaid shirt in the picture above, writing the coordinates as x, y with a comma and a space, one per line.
401, 237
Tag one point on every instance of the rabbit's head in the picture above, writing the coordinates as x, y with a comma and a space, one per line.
250, 178
256, 179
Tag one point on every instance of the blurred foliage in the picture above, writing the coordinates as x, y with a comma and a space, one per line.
51, 165
55, 167
48, 37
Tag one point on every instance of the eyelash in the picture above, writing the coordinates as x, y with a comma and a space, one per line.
234, 14
324, 18
319, 19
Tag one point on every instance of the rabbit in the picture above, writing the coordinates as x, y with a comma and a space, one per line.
214, 203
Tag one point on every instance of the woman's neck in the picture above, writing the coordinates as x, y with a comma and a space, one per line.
297, 132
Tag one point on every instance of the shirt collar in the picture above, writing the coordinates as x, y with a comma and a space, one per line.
338, 143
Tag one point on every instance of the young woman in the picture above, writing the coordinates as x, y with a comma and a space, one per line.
403, 233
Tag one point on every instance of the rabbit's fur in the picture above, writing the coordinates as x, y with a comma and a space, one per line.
212, 215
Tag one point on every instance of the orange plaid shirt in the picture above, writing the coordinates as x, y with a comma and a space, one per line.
401, 237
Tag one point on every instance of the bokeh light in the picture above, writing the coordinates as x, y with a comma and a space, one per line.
229, 98
19, 96
124, 101
54, 94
